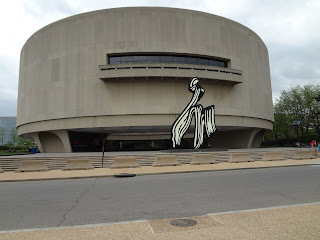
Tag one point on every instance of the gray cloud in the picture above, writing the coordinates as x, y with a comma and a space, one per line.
39, 8
292, 66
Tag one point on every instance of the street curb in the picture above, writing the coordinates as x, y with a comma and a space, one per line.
218, 170
148, 174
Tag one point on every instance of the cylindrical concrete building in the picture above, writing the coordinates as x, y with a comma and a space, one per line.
123, 74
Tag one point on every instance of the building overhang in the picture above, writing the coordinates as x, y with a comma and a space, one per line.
174, 71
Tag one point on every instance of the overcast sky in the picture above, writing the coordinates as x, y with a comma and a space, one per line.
289, 28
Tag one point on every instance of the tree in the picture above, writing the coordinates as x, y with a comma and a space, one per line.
282, 130
2, 134
300, 105
13, 136
24, 142
282, 126
315, 119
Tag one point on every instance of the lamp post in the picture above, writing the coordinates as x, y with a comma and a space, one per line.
103, 138
318, 100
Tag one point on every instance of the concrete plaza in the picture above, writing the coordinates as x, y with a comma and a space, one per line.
290, 222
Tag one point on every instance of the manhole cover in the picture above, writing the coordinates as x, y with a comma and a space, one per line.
183, 222
123, 175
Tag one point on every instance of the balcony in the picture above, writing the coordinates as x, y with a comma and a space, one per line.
171, 71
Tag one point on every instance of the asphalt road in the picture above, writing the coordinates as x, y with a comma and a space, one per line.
38, 204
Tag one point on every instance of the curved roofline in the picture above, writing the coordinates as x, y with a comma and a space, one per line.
141, 7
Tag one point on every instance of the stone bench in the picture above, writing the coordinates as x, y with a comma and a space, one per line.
32, 166
166, 160
304, 154
272, 156
125, 162
202, 159
240, 157
78, 164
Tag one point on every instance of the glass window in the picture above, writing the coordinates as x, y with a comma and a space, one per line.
180, 60
213, 63
191, 60
166, 59
140, 59
222, 64
114, 60
203, 61
217, 63
127, 59
153, 59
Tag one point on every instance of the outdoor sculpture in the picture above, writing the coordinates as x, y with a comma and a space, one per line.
204, 118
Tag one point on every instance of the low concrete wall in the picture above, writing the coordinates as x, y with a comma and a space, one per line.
202, 159
240, 157
272, 156
305, 154
78, 164
166, 160
32, 166
125, 162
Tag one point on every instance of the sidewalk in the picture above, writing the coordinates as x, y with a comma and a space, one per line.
147, 170
289, 222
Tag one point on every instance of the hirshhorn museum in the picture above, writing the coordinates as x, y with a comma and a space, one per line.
144, 78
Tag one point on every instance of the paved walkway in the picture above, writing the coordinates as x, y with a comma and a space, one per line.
147, 170
289, 222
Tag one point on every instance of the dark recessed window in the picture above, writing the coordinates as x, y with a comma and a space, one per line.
191, 60
212, 63
217, 63
180, 59
114, 60
203, 61
127, 59
166, 59
153, 59
140, 59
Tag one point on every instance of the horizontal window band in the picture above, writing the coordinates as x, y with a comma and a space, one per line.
178, 59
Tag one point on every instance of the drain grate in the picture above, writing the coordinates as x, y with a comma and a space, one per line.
183, 222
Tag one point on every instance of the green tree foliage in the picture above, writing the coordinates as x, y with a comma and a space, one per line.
316, 112
296, 113
13, 134
282, 126
24, 142
2, 135
282, 130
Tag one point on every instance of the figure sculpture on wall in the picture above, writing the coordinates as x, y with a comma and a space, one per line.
204, 118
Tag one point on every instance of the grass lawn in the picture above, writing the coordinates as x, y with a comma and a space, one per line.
6, 152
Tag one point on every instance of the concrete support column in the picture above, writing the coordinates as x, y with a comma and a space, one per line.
252, 135
37, 141
52, 141
256, 141
64, 136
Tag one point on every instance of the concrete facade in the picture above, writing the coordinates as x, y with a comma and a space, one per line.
67, 85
